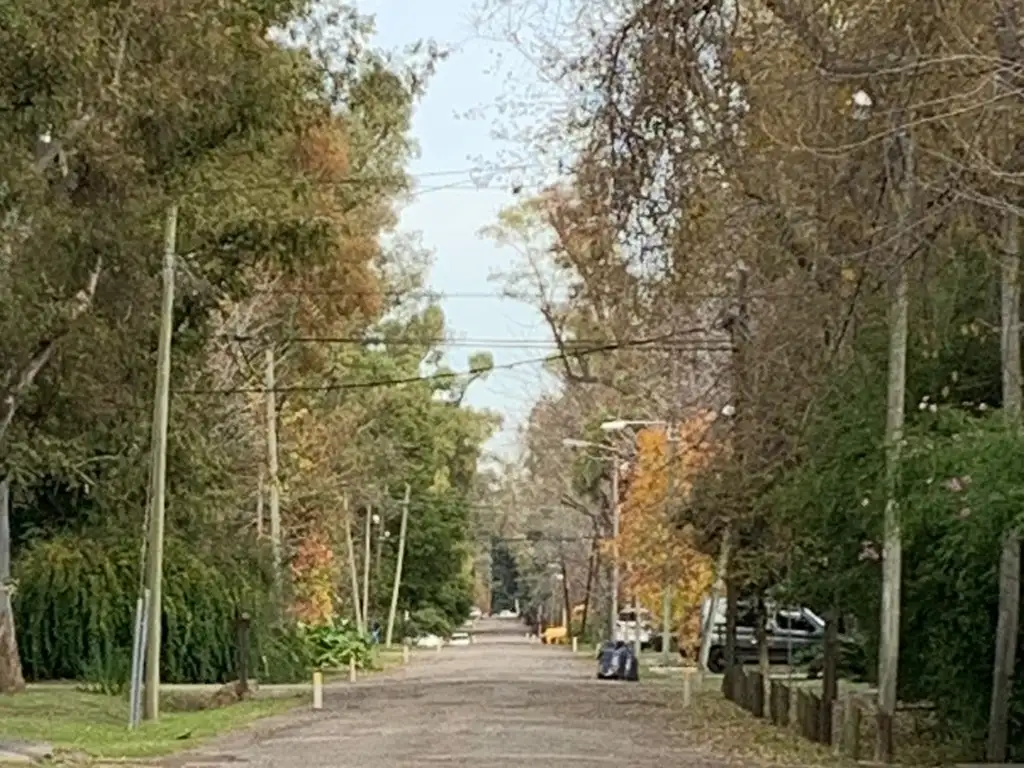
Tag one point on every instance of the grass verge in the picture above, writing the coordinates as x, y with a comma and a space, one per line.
96, 725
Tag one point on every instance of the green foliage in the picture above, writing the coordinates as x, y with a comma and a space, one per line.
853, 663
332, 646
75, 610
428, 620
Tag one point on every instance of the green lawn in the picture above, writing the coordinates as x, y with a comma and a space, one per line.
97, 724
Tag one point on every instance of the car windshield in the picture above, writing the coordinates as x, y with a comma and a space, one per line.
631, 615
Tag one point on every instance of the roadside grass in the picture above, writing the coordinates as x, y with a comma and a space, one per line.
96, 724
93, 724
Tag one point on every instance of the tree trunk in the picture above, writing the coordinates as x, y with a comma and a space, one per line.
11, 678
17, 381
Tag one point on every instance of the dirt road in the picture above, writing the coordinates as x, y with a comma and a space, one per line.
499, 703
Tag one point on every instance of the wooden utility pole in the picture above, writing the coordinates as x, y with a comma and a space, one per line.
398, 567
1010, 555
158, 473
901, 168
275, 483
353, 571
11, 678
367, 542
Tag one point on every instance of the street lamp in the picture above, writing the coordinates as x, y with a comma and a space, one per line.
617, 425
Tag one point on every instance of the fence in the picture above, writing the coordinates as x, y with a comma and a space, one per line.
799, 709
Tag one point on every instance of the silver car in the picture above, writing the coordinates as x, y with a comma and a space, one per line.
789, 630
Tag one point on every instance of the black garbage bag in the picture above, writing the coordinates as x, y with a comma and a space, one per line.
608, 662
629, 666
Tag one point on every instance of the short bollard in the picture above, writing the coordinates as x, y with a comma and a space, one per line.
352, 669
575, 645
438, 646
405, 654
687, 687
318, 690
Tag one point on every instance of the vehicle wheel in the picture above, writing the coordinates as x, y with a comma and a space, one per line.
716, 661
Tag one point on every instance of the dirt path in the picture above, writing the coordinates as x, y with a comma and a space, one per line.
500, 703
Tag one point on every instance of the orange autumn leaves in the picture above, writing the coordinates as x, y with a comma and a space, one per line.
652, 550
313, 569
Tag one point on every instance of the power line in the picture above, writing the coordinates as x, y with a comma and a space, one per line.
442, 295
569, 344
398, 177
440, 376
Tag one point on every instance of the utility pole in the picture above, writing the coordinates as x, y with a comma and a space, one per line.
398, 567
666, 589
366, 566
158, 473
614, 618
1010, 555
892, 547
275, 483
352, 571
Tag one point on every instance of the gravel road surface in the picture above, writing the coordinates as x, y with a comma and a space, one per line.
499, 703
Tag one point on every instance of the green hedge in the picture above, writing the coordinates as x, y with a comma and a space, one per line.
75, 607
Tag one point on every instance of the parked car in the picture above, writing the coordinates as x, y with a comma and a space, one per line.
790, 631
628, 624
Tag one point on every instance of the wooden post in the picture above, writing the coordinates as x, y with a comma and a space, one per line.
242, 651
405, 653
830, 676
318, 690
158, 473
398, 568
351, 669
687, 686
851, 728
352, 571
756, 696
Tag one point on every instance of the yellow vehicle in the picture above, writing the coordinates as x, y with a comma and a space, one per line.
555, 636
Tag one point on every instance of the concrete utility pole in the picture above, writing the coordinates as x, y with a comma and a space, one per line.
901, 169
398, 567
352, 570
1010, 556
275, 483
366, 566
666, 590
158, 473
614, 618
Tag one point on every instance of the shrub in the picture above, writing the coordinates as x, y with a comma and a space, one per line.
334, 644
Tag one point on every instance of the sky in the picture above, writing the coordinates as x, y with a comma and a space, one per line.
449, 220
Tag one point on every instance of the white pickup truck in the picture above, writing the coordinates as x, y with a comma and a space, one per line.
627, 626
